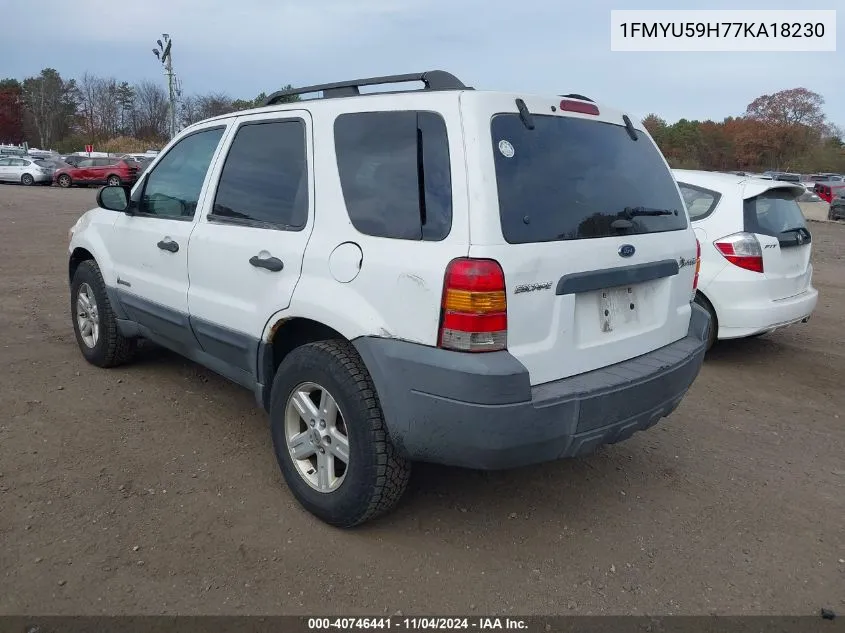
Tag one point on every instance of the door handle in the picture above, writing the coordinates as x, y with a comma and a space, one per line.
270, 263
168, 245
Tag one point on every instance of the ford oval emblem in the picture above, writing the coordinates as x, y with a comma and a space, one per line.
626, 250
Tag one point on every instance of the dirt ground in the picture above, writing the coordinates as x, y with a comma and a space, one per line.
153, 488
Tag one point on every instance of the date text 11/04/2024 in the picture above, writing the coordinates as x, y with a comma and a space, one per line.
723, 29
417, 623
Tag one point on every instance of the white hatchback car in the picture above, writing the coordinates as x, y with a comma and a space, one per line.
756, 274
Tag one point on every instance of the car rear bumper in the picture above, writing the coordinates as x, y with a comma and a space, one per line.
739, 321
480, 410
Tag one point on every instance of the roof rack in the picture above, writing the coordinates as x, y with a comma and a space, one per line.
432, 80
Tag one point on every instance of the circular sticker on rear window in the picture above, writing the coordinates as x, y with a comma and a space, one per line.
506, 149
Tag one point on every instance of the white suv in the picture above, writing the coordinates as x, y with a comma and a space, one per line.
480, 279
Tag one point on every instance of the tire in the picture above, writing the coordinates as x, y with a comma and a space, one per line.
113, 181
64, 181
375, 475
713, 330
107, 347
27, 180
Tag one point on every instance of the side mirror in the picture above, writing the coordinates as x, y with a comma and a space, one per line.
113, 198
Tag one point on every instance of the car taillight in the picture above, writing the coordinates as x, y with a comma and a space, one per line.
697, 265
743, 250
474, 316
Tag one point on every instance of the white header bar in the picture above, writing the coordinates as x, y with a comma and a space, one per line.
725, 31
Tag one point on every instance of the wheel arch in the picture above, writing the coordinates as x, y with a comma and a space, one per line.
282, 336
77, 256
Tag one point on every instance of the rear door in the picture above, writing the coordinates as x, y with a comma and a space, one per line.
18, 169
590, 229
5, 169
245, 255
774, 216
99, 169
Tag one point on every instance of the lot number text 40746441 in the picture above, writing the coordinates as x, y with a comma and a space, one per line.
417, 623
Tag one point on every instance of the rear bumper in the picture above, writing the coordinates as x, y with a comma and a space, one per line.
480, 411
739, 321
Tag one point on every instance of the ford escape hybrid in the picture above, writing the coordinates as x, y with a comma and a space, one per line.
480, 279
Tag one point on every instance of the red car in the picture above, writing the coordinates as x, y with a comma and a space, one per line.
98, 171
827, 191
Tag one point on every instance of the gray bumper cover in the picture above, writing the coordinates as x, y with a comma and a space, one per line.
480, 411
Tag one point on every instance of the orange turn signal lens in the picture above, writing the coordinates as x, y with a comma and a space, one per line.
476, 302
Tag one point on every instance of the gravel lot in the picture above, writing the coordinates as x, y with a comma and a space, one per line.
153, 488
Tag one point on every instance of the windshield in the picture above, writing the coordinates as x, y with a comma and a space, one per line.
570, 179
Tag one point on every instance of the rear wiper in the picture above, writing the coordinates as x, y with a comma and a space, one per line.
632, 212
799, 229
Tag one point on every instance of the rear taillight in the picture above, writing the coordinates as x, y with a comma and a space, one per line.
743, 250
474, 313
697, 265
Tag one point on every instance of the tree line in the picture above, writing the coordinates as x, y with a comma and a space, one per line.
787, 130
784, 131
51, 112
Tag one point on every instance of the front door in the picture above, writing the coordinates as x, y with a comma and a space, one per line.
258, 214
150, 247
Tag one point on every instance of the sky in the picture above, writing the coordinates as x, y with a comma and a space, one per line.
244, 47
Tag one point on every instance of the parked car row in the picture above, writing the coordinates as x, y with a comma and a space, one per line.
72, 170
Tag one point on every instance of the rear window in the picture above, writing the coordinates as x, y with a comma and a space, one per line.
776, 213
570, 179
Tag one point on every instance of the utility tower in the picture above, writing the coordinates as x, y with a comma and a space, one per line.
174, 87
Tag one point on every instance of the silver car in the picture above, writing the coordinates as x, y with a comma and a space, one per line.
26, 171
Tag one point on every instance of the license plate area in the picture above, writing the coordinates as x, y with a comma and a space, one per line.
618, 308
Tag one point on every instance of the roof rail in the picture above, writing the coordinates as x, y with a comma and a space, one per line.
432, 80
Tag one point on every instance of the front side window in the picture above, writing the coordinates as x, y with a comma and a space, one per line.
264, 181
573, 179
5, 162
395, 173
172, 189
700, 201
87, 162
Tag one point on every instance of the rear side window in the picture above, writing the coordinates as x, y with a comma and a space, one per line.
776, 213
265, 178
571, 179
700, 201
395, 173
